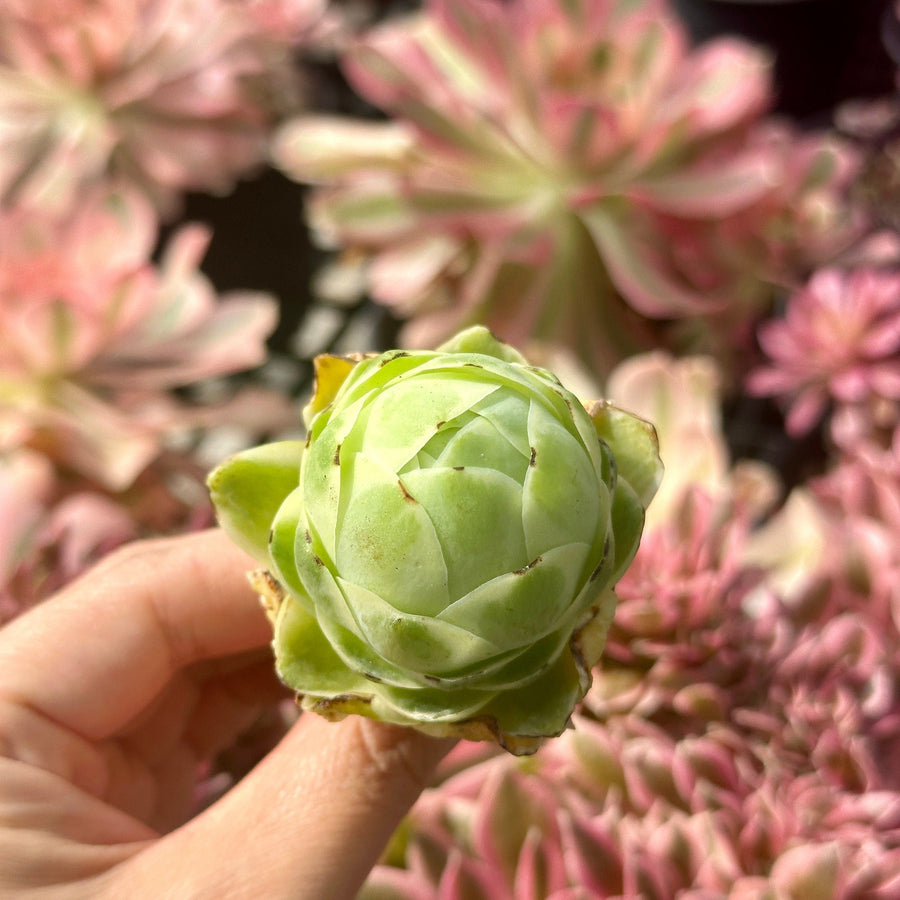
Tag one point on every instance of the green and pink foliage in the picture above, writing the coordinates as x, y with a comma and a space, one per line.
59, 542
575, 175
171, 95
25, 483
573, 172
741, 735
95, 337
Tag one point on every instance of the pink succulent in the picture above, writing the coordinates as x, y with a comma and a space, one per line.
78, 531
168, 94
838, 343
93, 337
57, 539
26, 481
58, 524
567, 171
683, 399
681, 643
866, 483
623, 810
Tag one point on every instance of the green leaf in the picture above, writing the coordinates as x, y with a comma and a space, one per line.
542, 706
306, 660
476, 515
288, 521
634, 445
387, 544
248, 489
517, 608
563, 498
415, 644
479, 339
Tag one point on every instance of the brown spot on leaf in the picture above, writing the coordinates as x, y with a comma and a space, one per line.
530, 565
271, 593
406, 494
533, 461
388, 359
607, 546
337, 455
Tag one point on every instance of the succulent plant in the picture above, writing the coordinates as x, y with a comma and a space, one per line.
95, 337
441, 552
171, 95
568, 172
836, 346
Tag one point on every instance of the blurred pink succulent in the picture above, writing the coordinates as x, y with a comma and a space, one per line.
623, 810
73, 534
683, 399
681, 643
172, 95
497, 833
734, 745
93, 337
866, 483
26, 480
837, 344
567, 171
873, 125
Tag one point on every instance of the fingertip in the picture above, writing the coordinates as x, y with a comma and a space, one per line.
387, 765
404, 755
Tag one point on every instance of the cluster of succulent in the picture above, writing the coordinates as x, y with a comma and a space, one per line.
110, 338
568, 172
838, 345
95, 335
606, 197
740, 736
172, 96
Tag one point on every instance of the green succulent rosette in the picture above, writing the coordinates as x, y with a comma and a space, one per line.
441, 551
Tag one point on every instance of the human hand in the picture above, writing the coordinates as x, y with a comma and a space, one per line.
114, 691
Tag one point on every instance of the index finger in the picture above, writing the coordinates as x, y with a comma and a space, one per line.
96, 654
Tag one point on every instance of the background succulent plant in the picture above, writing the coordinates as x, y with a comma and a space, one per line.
741, 733
567, 172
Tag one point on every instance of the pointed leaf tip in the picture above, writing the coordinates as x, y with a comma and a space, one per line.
330, 372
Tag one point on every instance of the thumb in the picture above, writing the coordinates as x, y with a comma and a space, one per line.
308, 822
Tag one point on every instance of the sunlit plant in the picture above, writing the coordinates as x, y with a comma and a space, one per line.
170, 95
573, 172
94, 337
